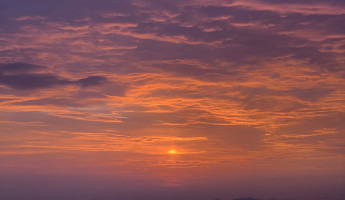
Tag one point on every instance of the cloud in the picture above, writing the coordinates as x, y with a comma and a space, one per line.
50, 101
300, 7
19, 67
29, 18
20, 76
32, 81
91, 80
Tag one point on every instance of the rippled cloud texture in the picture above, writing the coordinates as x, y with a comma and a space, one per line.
157, 99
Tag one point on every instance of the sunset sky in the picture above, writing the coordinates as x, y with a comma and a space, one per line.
172, 99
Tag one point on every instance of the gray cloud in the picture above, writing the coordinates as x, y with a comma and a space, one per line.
20, 76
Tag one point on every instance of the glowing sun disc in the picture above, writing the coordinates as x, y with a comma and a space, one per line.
172, 151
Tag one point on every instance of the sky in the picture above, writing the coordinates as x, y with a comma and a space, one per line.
173, 100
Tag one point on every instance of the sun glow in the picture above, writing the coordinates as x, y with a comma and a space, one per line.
172, 151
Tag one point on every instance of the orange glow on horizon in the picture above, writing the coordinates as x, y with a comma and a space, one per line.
172, 151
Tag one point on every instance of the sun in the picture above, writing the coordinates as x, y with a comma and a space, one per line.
172, 151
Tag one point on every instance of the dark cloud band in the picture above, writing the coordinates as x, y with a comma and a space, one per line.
20, 76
